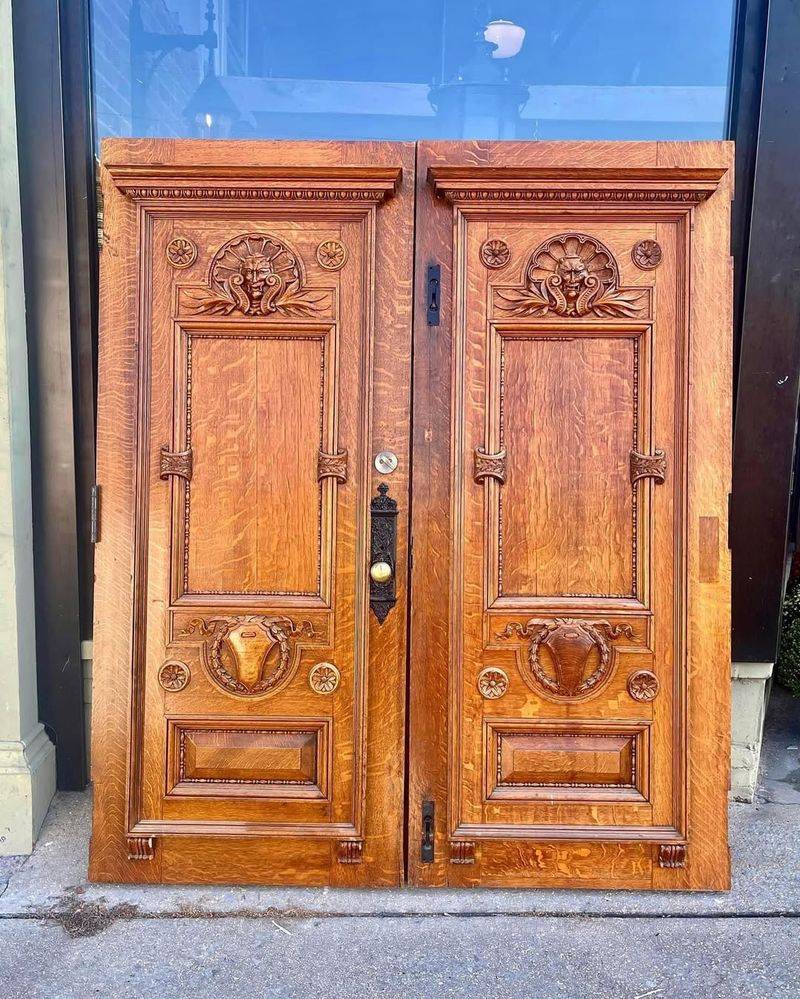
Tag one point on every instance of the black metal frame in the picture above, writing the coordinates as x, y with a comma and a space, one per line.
51, 44
766, 234
57, 177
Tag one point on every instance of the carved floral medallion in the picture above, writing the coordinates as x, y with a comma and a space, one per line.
492, 682
643, 685
571, 275
331, 254
568, 658
254, 275
324, 678
495, 253
646, 254
181, 252
174, 675
249, 655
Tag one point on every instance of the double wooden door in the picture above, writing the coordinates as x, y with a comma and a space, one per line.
493, 651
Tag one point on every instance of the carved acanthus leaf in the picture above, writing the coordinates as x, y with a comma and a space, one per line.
255, 274
571, 275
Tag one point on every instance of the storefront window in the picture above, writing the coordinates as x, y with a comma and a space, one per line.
523, 69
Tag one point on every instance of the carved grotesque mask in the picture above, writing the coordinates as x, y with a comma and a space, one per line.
573, 272
255, 271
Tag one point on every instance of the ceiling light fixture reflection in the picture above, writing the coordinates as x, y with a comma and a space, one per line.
507, 36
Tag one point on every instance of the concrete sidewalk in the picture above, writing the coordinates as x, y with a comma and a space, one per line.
61, 937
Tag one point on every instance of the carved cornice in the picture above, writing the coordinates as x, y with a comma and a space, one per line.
471, 185
342, 185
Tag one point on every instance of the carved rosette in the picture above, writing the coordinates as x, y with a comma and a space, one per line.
255, 274
181, 252
492, 682
140, 847
571, 275
646, 254
250, 656
175, 463
174, 675
350, 851
568, 659
672, 855
462, 852
332, 466
324, 678
495, 253
648, 466
643, 685
489, 466
331, 254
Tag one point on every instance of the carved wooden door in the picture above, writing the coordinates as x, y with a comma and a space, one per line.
569, 700
254, 357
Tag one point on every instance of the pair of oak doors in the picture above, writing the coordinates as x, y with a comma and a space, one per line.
452, 615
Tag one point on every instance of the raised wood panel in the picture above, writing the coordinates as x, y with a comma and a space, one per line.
569, 417
551, 761
255, 758
252, 361
257, 414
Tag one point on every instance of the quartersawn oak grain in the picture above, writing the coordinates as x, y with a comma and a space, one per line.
561, 563
224, 333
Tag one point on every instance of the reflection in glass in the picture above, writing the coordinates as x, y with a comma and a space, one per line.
523, 69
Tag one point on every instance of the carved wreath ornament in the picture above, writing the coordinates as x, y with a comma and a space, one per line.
571, 275
249, 655
256, 275
568, 658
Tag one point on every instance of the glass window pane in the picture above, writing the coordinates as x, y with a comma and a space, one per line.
524, 69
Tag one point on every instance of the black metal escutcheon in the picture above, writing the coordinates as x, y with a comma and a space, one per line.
383, 548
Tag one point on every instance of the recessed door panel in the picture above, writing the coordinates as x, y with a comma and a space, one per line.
568, 415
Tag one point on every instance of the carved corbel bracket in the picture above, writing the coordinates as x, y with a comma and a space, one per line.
648, 466
462, 852
350, 851
141, 847
175, 463
672, 855
332, 466
489, 466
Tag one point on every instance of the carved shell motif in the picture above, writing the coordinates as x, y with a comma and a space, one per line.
568, 658
571, 275
256, 275
249, 655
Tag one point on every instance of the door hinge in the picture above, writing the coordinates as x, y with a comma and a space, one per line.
94, 515
433, 292
426, 846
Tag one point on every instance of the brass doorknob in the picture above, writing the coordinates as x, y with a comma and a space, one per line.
381, 572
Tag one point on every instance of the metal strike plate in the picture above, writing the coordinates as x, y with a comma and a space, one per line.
383, 550
385, 462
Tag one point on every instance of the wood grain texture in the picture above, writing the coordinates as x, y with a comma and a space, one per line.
563, 574
257, 356
568, 689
